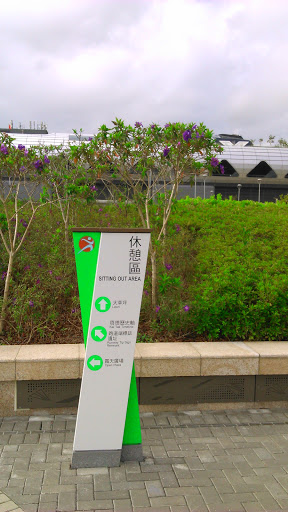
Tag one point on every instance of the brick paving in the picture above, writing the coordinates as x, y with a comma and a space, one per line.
208, 461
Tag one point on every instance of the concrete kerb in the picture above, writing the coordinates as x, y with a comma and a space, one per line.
39, 362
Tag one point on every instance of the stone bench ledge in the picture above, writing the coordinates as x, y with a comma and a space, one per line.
167, 360
273, 356
41, 362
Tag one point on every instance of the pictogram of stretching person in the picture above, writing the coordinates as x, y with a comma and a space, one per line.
86, 244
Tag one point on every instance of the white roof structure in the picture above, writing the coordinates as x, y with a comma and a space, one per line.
28, 140
245, 159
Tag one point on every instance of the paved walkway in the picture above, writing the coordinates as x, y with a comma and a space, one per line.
195, 461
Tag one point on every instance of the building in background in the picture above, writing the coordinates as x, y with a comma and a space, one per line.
250, 172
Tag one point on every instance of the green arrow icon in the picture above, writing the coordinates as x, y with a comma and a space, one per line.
94, 363
103, 304
98, 333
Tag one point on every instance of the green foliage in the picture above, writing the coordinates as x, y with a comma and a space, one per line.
239, 288
283, 198
283, 143
3, 222
222, 273
144, 338
166, 282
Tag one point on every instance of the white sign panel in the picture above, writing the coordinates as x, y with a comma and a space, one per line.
112, 333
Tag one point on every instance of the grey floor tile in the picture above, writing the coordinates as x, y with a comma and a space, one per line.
218, 466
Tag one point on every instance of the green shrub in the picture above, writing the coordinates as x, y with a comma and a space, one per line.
222, 274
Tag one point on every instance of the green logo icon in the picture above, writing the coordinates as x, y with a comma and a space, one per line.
94, 363
103, 304
98, 333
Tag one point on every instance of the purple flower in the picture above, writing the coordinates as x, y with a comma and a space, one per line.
166, 151
4, 149
222, 170
177, 227
179, 144
50, 272
194, 127
90, 138
138, 124
100, 210
73, 311
202, 135
168, 266
20, 147
153, 126
39, 265
214, 162
197, 135
167, 125
186, 308
38, 281
27, 267
157, 309
38, 164
187, 135
93, 188
26, 152
24, 223
146, 293
46, 160
22, 168
31, 303
3, 276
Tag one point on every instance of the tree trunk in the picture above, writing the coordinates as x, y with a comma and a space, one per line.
66, 226
154, 279
6, 291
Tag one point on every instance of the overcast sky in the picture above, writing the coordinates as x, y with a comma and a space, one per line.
79, 64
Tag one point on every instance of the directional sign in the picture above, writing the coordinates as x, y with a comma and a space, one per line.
102, 304
94, 363
98, 333
111, 267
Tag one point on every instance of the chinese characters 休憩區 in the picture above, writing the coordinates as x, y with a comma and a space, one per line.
134, 255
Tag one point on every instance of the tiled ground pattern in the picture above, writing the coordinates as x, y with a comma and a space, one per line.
7, 505
195, 461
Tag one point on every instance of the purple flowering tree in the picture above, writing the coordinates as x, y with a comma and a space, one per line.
151, 163
85, 155
66, 181
19, 195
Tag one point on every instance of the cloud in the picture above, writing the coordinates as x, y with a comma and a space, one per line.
81, 64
